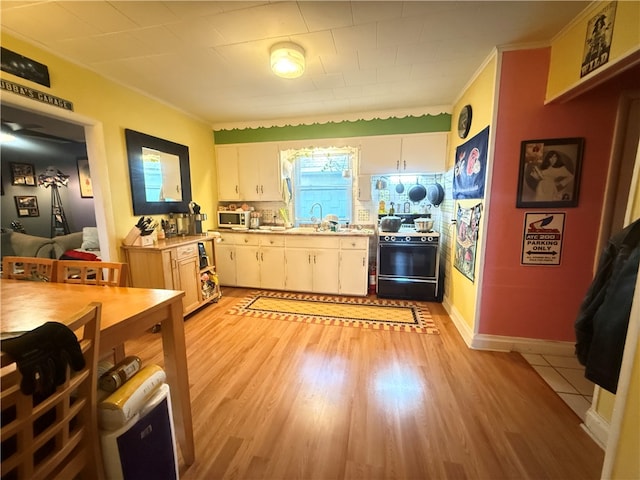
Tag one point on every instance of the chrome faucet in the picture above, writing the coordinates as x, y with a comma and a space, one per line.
311, 212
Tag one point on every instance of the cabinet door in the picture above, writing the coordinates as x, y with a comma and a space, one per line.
259, 171
424, 152
353, 272
189, 281
226, 264
298, 270
247, 266
325, 271
272, 268
270, 174
380, 155
364, 188
227, 169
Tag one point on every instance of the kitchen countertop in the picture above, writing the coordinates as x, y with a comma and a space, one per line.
365, 232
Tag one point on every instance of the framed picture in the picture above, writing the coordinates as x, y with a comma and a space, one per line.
27, 205
23, 174
549, 173
84, 178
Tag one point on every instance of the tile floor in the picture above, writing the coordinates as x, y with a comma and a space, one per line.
566, 376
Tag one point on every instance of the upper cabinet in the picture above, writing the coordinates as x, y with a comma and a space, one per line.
227, 168
249, 172
393, 154
259, 172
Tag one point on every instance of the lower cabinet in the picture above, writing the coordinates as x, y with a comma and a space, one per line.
173, 264
354, 265
330, 264
251, 260
311, 264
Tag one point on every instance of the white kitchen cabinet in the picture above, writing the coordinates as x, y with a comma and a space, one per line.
172, 264
354, 263
364, 188
259, 173
379, 155
397, 154
312, 264
227, 170
424, 152
251, 260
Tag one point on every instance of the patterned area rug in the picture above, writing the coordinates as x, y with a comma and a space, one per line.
376, 314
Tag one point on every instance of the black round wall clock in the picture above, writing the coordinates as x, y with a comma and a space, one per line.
464, 121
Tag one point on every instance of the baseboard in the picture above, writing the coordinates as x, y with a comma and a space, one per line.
462, 327
499, 343
596, 427
522, 345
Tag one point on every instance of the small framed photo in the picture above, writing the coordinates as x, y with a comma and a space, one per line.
549, 174
27, 205
84, 178
23, 174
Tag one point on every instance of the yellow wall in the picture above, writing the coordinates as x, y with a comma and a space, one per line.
118, 108
567, 49
480, 95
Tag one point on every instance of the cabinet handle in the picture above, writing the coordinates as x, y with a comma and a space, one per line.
236, 188
262, 257
257, 189
405, 165
261, 188
314, 259
257, 259
231, 255
363, 262
398, 165
309, 258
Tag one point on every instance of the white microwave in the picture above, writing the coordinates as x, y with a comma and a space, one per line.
228, 219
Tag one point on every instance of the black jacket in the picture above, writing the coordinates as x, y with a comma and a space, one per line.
601, 325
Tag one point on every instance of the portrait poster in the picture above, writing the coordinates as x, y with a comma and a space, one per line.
467, 225
598, 42
84, 178
471, 167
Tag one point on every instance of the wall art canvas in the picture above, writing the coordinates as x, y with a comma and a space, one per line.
470, 170
84, 178
549, 173
598, 42
467, 225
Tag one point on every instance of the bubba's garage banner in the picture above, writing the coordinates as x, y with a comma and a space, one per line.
471, 167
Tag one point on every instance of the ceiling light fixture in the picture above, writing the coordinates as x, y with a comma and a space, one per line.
287, 60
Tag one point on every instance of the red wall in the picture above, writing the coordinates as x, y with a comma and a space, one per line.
542, 301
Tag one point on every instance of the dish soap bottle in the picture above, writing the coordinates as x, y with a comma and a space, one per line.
392, 210
381, 207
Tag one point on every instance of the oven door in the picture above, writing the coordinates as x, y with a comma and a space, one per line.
408, 260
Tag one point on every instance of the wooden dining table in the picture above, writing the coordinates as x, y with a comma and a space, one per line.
126, 313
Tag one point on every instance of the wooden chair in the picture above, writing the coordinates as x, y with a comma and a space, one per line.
111, 274
86, 272
29, 268
56, 438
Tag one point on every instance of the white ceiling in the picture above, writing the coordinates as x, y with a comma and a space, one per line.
211, 59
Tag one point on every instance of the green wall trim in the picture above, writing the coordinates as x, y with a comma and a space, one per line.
344, 129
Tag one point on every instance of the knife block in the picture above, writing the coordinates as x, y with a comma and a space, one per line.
134, 239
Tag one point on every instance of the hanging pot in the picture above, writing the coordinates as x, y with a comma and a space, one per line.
399, 186
417, 193
435, 194
381, 184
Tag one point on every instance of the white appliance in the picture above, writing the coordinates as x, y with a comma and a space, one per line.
227, 219
145, 447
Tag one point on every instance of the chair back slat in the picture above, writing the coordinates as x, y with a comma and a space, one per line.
54, 437
29, 268
111, 274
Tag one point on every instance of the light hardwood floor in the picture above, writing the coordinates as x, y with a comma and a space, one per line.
274, 399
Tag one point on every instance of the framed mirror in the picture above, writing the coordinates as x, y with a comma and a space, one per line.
159, 174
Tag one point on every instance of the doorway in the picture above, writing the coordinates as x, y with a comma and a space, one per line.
96, 155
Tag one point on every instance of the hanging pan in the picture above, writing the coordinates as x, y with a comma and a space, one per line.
417, 193
435, 194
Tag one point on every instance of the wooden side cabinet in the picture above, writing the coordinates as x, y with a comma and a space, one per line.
174, 264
